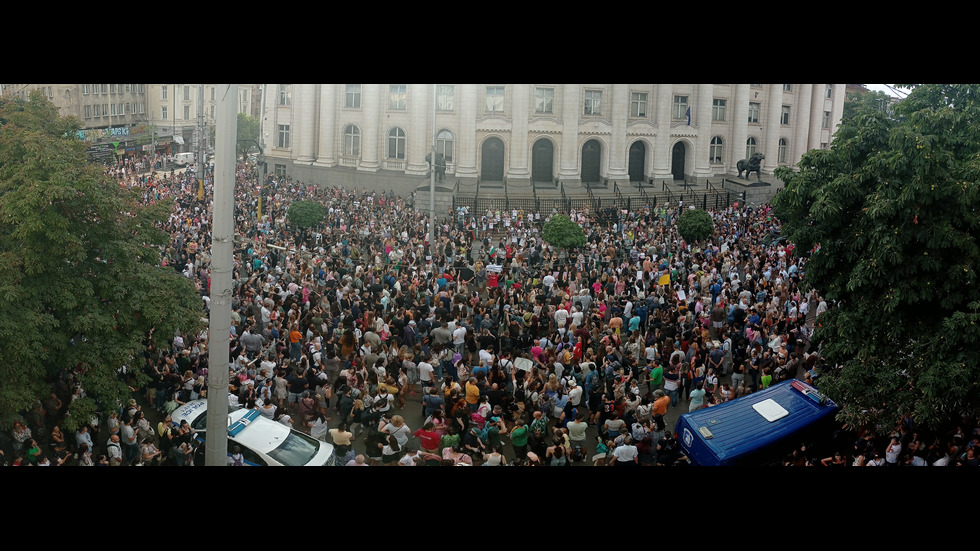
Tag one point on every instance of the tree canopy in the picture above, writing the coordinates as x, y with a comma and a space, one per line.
248, 134
889, 217
79, 267
306, 214
562, 232
695, 225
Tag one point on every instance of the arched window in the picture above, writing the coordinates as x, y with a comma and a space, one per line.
749, 147
781, 155
444, 144
352, 141
396, 143
716, 151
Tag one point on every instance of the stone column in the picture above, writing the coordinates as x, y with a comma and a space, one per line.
518, 169
740, 125
661, 148
773, 128
571, 104
371, 146
816, 115
465, 138
328, 121
701, 117
802, 122
302, 129
619, 108
420, 121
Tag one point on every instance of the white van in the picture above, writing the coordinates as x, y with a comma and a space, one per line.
184, 159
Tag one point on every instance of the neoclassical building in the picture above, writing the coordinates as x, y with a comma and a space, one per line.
541, 132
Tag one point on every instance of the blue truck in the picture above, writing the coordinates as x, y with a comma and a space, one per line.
756, 429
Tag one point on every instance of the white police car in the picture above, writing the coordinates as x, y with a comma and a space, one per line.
262, 442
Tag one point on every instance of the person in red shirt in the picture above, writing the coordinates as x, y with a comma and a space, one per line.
428, 438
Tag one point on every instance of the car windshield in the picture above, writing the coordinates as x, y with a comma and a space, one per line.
296, 450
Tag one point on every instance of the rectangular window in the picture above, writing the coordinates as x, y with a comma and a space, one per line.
593, 102
163, 112
787, 87
105, 109
283, 135
280, 171
353, 98
638, 104
826, 119
212, 111
105, 88
112, 88
187, 93
754, 109
544, 100
141, 89
784, 116
445, 97
680, 107
830, 91
187, 112
718, 109
285, 94
212, 93
163, 91
495, 99
88, 111
112, 109
396, 99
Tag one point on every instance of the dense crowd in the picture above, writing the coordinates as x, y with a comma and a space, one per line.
519, 353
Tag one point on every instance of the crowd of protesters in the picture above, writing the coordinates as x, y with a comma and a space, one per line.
520, 354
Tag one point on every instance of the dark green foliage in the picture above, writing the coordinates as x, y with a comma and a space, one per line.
306, 214
79, 266
890, 211
695, 225
562, 232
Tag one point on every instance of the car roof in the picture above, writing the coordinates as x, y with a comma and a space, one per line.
245, 426
258, 433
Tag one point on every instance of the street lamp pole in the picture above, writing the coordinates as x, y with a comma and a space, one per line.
432, 176
222, 243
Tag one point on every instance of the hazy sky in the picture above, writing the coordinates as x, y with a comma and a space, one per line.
884, 88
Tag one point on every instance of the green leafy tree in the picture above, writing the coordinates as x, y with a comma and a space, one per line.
695, 225
248, 134
79, 268
562, 232
306, 214
889, 217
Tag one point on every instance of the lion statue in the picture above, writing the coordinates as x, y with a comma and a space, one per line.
750, 165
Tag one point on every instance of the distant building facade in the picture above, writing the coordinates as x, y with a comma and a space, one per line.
522, 133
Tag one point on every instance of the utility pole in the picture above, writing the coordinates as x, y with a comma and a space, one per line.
200, 135
432, 177
222, 244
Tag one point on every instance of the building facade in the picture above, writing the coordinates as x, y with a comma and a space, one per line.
520, 133
114, 116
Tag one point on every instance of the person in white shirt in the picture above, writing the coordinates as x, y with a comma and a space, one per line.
626, 455
426, 372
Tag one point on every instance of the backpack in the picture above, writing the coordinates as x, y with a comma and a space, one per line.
237, 461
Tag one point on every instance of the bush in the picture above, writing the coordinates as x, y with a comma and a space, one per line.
306, 214
562, 232
695, 225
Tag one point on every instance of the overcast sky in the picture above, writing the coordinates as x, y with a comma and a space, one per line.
901, 93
